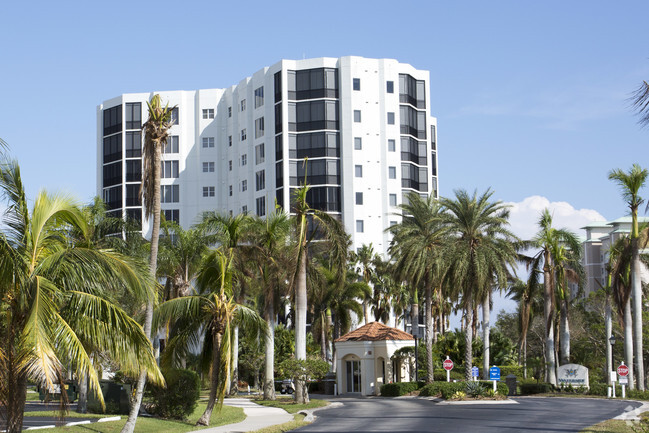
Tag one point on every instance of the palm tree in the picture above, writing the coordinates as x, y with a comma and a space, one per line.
384, 288
530, 299
54, 298
209, 315
364, 259
640, 102
480, 251
156, 131
630, 182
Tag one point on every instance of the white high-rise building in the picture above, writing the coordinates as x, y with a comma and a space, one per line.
364, 125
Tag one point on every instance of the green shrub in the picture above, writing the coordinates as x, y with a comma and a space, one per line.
456, 374
536, 388
443, 389
474, 389
634, 394
602, 389
399, 388
501, 386
179, 399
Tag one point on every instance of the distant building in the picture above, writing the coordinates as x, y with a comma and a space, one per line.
364, 125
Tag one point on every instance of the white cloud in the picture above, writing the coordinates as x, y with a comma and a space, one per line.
525, 216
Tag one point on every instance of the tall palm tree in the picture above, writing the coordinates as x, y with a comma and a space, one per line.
364, 259
417, 246
529, 296
481, 249
631, 182
209, 315
156, 131
54, 298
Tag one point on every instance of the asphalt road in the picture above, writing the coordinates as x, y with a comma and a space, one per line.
538, 415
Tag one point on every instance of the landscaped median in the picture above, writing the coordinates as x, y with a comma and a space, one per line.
447, 390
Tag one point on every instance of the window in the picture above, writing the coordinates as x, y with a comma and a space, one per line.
112, 148
112, 120
229, 111
359, 198
174, 116
208, 167
172, 144
208, 113
133, 170
259, 127
169, 169
360, 226
392, 146
259, 97
169, 193
208, 141
357, 84
208, 191
393, 199
392, 172
244, 159
133, 115
389, 86
358, 171
229, 141
358, 143
133, 144
390, 118
244, 210
357, 116
243, 105
230, 165
393, 223
244, 185
230, 190
261, 206
260, 180
243, 134
172, 215
260, 153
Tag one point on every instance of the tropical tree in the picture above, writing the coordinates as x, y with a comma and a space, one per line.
364, 259
54, 298
630, 183
480, 252
209, 315
417, 246
640, 102
156, 131
529, 296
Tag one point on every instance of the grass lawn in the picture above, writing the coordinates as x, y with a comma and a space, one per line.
290, 406
298, 421
228, 415
617, 426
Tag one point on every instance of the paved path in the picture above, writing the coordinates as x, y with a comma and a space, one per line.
257, 417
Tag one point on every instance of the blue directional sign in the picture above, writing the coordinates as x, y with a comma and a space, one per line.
494, 373
475, 372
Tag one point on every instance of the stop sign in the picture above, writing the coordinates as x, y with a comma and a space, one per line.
448, 364
623, 370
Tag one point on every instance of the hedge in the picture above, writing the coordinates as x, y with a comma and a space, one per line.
536, 388
447, 389
399, 388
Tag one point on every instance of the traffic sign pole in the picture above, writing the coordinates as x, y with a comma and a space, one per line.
623, 371
448, 366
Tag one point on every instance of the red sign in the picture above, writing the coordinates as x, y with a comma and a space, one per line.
448, 364
623, 370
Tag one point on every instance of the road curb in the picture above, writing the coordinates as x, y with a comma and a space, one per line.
631, 414
308, 413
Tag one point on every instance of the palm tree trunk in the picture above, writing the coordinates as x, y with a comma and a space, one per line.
628, 342
468, 339
234, 382
323, 338
548, 312
300, 325
17, 393
82, 401
608, 323
565, 333
525, 357
429, 334
214, 386
486, 310
636, 287
269, 373
414, 330
334, 356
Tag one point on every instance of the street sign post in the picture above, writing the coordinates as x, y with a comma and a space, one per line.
494, 375
475, 372
623, 371
448, 366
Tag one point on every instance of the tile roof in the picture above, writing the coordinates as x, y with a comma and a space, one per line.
376, 331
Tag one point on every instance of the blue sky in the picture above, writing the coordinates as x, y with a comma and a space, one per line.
531, 97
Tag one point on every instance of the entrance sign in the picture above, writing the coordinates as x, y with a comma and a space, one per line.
494, 373
573, 374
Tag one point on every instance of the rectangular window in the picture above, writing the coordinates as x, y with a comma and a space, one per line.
261, 206
357, 116
172, 144
390, 118
169, 169
208, 113
229, 141
230, 190
260, 155
392, 172
229, 111
133, 170
392, 146
208, 141
389, 86
358, 171
208, 191
112, 120
174, 116
243, 134
393, 223
358, 143
259, 97
260, 180
259, 127
243, 105
357, 84
172, 215
208, 167
133, 115
359, 198
393, 199
133, 144
244, 159
244, 185
360, 226
230, 165
244, 210
169, 193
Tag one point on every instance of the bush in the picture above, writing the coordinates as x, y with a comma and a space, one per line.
456, 374
635, 394
536, 388
475, 389
443, 389
399, 388
179, 399
501, 386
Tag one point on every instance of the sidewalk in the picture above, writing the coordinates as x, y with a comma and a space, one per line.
257, 417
